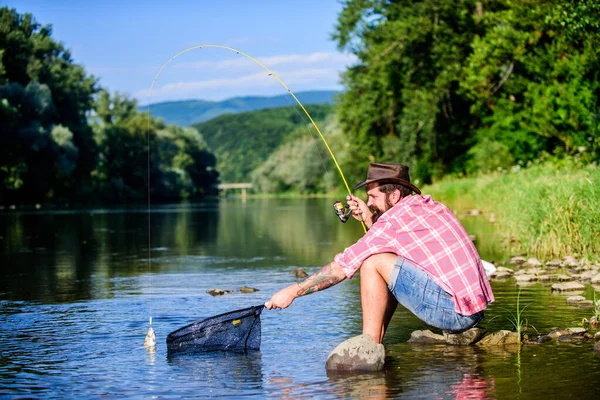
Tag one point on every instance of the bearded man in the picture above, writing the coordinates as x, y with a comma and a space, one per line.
415, 253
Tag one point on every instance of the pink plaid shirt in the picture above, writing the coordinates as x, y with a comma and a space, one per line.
429, 235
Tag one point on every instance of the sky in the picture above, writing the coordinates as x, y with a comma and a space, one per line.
125, 43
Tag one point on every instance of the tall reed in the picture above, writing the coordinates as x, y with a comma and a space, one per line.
549, 211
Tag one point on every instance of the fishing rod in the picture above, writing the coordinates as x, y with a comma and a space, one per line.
339, 208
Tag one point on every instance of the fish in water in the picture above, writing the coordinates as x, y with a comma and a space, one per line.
150, 340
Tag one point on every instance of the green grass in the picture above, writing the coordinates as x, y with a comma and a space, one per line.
548, 211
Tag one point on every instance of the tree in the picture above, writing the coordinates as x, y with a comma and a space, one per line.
41, 91
437, 82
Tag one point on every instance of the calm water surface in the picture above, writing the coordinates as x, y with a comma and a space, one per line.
76, 292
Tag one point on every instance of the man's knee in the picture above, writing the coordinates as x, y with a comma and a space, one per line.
381, 264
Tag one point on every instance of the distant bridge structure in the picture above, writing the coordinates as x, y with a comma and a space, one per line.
242, 186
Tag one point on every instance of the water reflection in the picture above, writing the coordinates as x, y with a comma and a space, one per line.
215, 372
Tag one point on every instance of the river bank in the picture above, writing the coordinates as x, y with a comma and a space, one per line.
542, 211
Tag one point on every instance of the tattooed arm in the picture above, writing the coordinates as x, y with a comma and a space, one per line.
331, 274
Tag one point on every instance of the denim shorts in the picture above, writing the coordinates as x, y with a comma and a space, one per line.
415, 290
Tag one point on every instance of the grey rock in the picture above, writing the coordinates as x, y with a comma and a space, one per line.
521, 272
587, 276
532, 262
564, 278
594, 280
544, 338
575, 299
499, 338
465, 338
525, 278
571, 338
504, 269
359, 353
501, 275
218, 292
247, 289
586, 304
567, 286
553, 264
518, 260
557, 333
597, 337
570, 262
546, 278
299, 272
426, 337
597, 349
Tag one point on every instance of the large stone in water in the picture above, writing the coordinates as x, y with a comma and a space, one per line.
532, 262
464, 338
359, 353
567, 286
426, 337
557, 333
500, 338
525, 278
575, 299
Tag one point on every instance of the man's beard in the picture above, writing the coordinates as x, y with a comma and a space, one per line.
377, 212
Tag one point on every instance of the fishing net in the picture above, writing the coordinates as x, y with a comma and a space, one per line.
233, 331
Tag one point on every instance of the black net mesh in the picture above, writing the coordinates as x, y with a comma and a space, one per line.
233, 331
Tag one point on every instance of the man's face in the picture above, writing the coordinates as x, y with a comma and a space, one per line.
378, 201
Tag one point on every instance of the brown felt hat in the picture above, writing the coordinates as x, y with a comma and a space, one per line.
388, 173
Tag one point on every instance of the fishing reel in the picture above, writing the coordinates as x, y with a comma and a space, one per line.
342, 211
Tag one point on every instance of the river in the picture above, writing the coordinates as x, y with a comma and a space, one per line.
77, 288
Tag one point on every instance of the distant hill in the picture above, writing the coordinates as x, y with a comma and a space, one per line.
189, 112
242, 142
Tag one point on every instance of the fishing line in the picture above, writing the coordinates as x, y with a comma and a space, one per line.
314, 138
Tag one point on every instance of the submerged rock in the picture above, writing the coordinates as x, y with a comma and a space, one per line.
570, 262
500, 338
246, 289
501, 275
557, 333
554, 264
586, 304
299, 272
518, 260
218, 292
575, 299
359, 353
532, 263
465, 338
426, 337
525, 278
597, 349
567, 286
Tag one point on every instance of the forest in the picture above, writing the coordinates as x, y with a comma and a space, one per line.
451, 88
66, 140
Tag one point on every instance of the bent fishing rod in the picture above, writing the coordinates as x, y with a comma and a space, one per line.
343, 212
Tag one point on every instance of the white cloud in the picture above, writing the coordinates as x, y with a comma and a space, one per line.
298, 71
271, 61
